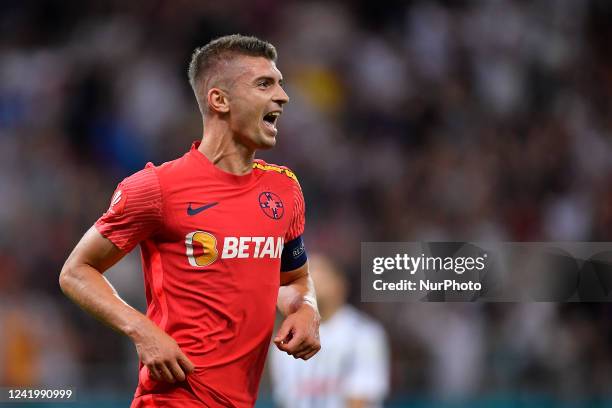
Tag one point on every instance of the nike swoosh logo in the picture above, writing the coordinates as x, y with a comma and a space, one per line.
194, 211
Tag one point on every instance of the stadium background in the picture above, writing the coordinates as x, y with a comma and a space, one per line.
415, 120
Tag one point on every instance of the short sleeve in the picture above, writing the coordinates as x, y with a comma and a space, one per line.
135, 211
296, 227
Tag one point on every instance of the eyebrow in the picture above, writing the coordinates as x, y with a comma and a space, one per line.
269, 78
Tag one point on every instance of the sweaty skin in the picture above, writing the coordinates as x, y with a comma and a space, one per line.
233, 130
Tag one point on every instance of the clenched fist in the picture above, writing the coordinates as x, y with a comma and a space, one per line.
299, 333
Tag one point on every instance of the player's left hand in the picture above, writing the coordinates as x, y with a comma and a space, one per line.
299, 333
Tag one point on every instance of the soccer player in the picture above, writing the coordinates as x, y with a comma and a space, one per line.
220, 235
352, 371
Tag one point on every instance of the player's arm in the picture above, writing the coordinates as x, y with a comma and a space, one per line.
82, 281
299, 331
135, 214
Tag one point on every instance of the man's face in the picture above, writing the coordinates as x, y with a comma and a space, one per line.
256, 100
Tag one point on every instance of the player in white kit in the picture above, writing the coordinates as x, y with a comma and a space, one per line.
352, 370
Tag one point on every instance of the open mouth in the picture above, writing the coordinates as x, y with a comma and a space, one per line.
270, 120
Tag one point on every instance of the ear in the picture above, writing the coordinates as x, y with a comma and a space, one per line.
218, 100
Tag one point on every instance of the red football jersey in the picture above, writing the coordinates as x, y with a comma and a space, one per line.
211, 253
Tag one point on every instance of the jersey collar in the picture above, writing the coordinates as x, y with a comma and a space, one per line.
217, 172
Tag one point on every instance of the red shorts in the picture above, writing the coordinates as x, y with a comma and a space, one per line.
161, 401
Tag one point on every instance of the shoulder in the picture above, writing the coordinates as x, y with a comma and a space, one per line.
286, 172
172, 166
173, 172
146, 178
153, 179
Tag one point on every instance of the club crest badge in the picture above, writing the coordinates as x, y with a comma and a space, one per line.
271, 205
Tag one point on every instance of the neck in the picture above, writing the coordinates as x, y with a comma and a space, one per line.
220, 147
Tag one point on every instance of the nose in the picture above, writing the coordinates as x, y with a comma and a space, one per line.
280, 96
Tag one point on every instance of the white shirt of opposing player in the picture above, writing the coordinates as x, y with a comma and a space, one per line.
353, 363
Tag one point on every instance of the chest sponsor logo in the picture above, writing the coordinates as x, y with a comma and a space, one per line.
252, 247
201, 248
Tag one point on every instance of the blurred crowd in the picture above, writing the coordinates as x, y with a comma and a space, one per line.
408, 121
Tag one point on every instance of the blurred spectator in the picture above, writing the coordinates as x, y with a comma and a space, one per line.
36, 346
453, 337
352, 368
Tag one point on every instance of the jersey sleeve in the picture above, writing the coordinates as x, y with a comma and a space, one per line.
294, 252
296, 227
135, 211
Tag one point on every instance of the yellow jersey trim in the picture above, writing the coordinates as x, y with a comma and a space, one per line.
281, 170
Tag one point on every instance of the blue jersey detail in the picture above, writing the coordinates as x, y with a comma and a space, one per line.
294, 255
